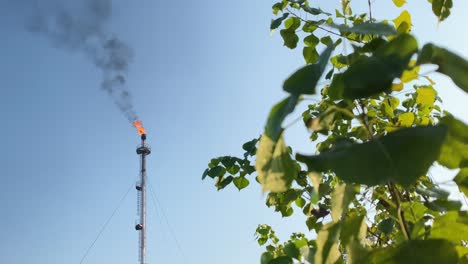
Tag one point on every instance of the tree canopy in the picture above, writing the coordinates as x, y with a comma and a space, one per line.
378, 127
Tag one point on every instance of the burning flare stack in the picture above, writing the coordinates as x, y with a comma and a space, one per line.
143, 150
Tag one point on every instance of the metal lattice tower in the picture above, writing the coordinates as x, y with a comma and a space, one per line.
143, 150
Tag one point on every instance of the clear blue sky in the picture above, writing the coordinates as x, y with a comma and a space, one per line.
204, 77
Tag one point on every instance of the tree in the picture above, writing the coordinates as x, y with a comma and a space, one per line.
366, 192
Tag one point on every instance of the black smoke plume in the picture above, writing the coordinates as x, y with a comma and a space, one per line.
83, 30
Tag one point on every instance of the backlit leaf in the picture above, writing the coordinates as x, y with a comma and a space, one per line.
277, 115
275, 167
304, 80
372, 75
454, 152
415, 251
403, 22
449, 64
379, 29
402, 156
399, 3
411, 74
396, 87
241, 182
452, 226
327, 244
310, 55
406, 119
342, 196
462, 180
426, 96
441, 8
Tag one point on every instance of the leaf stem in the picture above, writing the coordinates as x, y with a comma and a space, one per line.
322, 28
401, 217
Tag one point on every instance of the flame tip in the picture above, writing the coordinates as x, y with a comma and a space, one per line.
139, 127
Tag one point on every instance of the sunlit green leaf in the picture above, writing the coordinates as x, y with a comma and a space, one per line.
327, 244
241, 182
399, 3
403, 22
454, 151
275, 167
426, 96
462, 180
342, 196
452, 226
406, 119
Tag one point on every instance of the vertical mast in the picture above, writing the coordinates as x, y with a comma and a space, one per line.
143, 151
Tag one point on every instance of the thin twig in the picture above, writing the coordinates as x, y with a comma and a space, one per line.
322, 28
370, 9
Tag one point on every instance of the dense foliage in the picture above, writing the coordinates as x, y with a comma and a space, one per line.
378, 129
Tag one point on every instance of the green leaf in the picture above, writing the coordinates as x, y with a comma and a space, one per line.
327, 41
454, 151
413, 211
282, 260
399, 3
426, 96
327, 244
403, 22
314, 11
304, 80
310, 222
449, 64
379, 29
241, 182
291, 251
415, 251
290, 38
275, 167
266, 258
462, 180
441, 8
342, 196
353, 235
311, 41
443, 205
278, 113
224, 182
402, 157
292, 23
346, 7
310, 55
372, 75
300, 202
386, 226
277, 22
452, 226
217, 171
406, 119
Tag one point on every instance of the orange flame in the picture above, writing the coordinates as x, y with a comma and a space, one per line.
139, 127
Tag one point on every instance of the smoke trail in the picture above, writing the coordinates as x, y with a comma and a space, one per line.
83, 31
